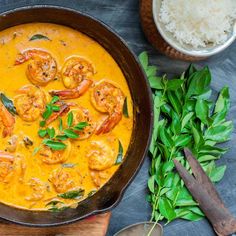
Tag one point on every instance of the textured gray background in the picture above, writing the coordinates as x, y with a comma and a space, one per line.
122, 15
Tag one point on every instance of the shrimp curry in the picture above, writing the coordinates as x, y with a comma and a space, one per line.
65, 116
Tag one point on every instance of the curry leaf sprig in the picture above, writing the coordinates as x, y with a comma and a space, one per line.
50, 108
54, 139
184, 116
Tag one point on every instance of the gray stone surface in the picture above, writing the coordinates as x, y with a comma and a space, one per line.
123, 16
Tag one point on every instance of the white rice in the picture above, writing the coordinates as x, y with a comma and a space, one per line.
199, 22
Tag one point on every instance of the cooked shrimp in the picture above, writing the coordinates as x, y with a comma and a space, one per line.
64, 108
101, 155
37, 189
76, 76
42, 69
99, 177
82, 115
10, 166
75, 70
107, 98
50, 156
7, 119
30, 103
61, 180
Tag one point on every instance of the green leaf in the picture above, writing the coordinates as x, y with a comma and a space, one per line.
54, 145
174, 102
70, 133
54, 99
199, 82
206, 149
151, 71
55, 209
81, 125
60, 124
202, 111
42, 123
168, 166
207, 158
183, 140
166, 209
186, 119
169, 179
143, 58
73, 194
61, 137
184, 198
151, 184
223, 100
125, 108
8, 104
48, 112
191, 69
70, 118
175, 124
217, 174
55, 108
192, 216
219, 133
155, 82
174, 84
42, 133
119, 157
165, 137
39, 37
51, 132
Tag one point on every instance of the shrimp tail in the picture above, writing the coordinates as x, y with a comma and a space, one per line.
4, 156
109, 123
64, 108
23, 57
73, 93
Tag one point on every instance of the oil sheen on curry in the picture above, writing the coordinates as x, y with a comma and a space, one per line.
65, 116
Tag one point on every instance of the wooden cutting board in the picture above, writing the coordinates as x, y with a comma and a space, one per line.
92, 226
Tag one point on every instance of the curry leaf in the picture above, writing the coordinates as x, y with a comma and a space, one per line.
39, 37
55, 145
143, 58
42, 133
73, 194
125, 108
70, 118
174, 84
8, 104
70, 133
155, 82
217, 174
119, 157
166, 209
202, 110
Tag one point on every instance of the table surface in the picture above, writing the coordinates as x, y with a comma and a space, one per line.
123, 16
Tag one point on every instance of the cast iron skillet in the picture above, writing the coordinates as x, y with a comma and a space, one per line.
110, 194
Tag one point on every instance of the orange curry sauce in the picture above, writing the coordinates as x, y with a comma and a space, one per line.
66, 82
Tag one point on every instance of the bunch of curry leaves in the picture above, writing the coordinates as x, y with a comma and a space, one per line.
184, 116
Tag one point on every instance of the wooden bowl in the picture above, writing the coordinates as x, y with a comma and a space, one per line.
155, 38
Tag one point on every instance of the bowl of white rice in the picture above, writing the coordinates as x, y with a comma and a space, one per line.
197, 28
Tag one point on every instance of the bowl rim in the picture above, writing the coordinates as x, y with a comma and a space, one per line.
204, 52
149, 99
